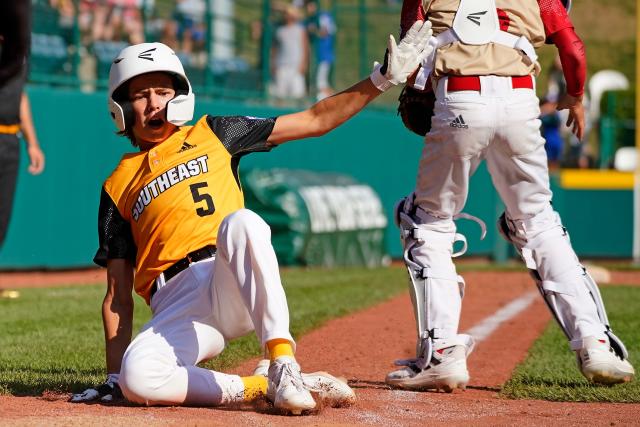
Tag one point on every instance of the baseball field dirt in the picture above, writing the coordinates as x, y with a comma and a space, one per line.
361, 348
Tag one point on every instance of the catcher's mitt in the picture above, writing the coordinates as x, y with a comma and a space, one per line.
416, 109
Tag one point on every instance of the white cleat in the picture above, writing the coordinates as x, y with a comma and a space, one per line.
600, 364
286, 388
446, 371
262, 368
330, 390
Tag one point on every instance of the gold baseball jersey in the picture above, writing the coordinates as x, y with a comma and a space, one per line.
159, 205
521, 18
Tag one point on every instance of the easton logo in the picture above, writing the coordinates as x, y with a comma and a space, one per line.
147, 54
475, 17
186, 146
459, 123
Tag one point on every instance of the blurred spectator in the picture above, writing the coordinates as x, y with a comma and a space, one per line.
550, 129
322, 29
66, 12
575, 155
125, 21
290, 57
111, 20
187, 31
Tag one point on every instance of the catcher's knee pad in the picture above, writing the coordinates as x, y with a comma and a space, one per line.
436, 289
568, 290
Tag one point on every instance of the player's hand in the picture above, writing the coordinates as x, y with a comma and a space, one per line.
576, 114
105, 392
36, 159
402, 60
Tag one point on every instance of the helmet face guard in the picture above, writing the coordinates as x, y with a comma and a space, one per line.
567, 4
146, 58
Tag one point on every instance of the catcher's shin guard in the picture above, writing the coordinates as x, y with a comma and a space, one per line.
435, 287
568, 290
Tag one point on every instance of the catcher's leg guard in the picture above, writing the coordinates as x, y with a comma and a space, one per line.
436, 293
568, 290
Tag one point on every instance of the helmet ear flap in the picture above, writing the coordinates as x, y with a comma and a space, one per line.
180, 109
127, 112
122, 114
117, 115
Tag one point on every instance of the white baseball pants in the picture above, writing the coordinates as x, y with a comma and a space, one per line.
199, 310
498, 124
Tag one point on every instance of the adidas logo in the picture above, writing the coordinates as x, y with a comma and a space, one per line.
475, 17
458, 122
186, 146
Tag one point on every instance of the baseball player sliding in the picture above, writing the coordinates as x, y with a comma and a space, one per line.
482, 75
174, 212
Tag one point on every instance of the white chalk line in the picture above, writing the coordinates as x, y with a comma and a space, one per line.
487, 326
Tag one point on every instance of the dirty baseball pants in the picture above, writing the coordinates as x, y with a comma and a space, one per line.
498, 124
199, 310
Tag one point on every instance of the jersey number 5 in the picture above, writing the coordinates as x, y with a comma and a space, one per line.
209, 207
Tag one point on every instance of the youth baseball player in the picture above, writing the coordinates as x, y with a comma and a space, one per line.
482, 73
205, 265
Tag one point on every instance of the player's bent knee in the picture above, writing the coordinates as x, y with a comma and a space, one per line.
142, 377
245, 222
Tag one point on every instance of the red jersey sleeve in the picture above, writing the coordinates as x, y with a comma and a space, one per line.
411, 12
559, 30
554, 16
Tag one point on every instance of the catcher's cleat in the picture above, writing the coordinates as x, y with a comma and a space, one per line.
331, 391
446, 371
285, 387
599, 363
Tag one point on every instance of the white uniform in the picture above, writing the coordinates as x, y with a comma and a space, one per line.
486, 109
199, 310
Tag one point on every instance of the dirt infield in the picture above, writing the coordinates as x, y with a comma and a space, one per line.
361, 347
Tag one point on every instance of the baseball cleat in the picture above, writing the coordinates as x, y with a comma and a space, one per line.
262, 368
446, 371
331, 391
286, 388
600, 364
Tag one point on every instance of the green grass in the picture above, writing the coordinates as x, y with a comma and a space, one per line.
52, 339
550, 370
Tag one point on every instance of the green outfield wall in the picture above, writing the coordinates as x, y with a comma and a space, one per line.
54, 216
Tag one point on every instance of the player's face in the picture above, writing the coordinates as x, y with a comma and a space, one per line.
149, 94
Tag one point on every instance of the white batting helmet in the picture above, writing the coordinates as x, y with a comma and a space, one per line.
145, 58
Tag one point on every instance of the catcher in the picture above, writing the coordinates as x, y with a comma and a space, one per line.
205, 265
480, 79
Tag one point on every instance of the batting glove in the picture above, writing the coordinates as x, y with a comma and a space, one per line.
401, 60
105, 392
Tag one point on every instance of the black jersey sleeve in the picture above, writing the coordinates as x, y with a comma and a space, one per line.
242, 134
114, 234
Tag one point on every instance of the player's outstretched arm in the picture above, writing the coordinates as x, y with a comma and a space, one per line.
401, 61
117, 318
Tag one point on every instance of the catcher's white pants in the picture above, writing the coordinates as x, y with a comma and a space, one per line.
498, 124
199, 310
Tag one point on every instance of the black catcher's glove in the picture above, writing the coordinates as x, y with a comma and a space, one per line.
416, 109
105, 392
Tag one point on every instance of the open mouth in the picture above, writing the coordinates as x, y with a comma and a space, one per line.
155, 123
